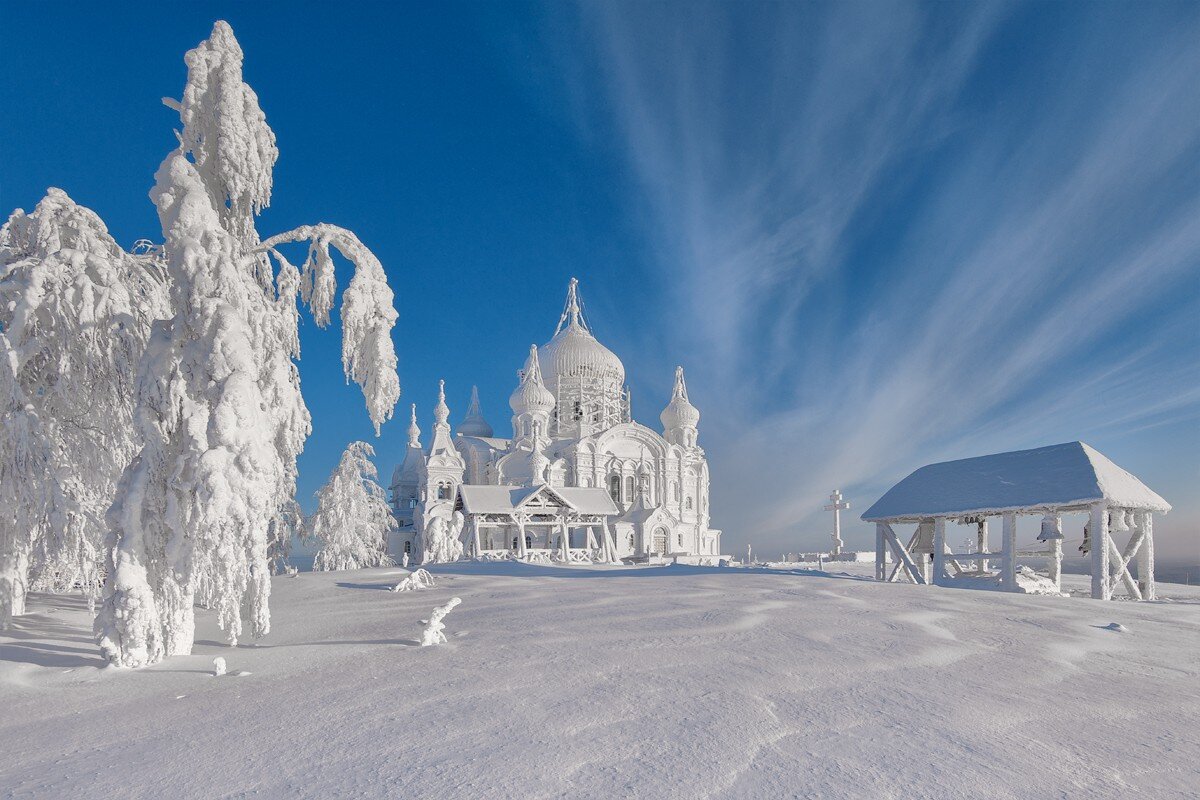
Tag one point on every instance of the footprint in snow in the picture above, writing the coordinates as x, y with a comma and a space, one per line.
1115, 627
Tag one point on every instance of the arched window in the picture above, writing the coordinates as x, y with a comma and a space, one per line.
614, 487
443, 491
629, 488
408, 548
675, 491
631, 541
680, 540
688, 504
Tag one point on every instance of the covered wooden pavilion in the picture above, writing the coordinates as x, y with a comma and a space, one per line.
545, 515
1046, 482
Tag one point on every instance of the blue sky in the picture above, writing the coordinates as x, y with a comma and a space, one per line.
875, 235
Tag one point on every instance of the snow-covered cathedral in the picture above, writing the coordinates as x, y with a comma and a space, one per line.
579, 479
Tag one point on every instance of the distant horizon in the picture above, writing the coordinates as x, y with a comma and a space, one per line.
876, 237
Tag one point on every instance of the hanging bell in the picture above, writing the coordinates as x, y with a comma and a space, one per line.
924, 543
1117, 522
1051, 528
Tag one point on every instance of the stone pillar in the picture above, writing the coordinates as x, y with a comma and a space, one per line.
521, 551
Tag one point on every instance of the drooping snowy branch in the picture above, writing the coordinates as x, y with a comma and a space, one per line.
368, 310
353, 520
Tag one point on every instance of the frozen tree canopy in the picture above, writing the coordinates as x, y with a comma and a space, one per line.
219, 410
353, 520
75, 315
439, 541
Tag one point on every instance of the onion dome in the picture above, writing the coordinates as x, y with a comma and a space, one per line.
473, 423
414, 432
679, 413
441, 412
574, 352
531, 396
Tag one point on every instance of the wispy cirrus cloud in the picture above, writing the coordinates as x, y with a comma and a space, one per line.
898, 233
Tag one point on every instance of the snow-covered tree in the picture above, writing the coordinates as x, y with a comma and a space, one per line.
353, 519
75, 312
219, 408
439, 541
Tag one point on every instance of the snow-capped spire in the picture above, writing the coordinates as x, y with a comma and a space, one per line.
441, 412
680, 417
414, 430
572, 315
473, 423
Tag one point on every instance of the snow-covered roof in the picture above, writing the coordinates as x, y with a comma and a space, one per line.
1058, 476
639, 512
505, 499
587, 500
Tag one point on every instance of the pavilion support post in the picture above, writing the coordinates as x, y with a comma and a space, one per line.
475, 536
1056, 556
982, 543
880, 553
1101, 582
1146, 556
939, 551
1008, 573
564, 538
1120, 570
521, 550
610, 543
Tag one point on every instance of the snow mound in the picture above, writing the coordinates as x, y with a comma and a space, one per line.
421, 579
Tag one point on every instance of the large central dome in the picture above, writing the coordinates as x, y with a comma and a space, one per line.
574, 353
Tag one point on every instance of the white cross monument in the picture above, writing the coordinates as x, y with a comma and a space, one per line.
837, 506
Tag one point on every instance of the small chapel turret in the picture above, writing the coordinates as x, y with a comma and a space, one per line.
443, 467
680, 417
531, 401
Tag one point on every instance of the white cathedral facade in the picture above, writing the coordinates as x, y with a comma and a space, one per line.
579, 480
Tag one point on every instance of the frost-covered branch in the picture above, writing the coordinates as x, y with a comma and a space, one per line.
368, 310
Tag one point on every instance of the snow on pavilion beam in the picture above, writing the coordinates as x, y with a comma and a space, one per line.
1047, 482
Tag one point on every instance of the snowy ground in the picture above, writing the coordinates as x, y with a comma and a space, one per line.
654, 682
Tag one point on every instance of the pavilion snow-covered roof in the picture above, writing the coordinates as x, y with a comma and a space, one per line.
1060, 476
478, 499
